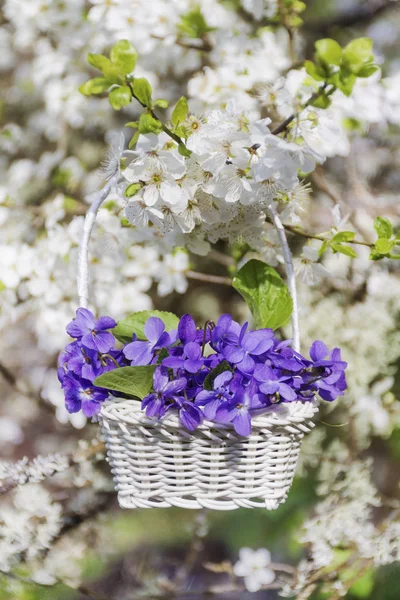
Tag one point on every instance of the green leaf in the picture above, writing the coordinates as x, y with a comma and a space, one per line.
142, 90
343, 250
383, 227
133, 189
357, 54
161, 103
314, 71
133, 124
329, 51
134, 324
194, 25
323, 248
98, 61
344, 236
148, 124
180, 111
133, 140
120, 97
113, 75
183, 151
97, 85
123, 54
363, 587
384, 246
221, 368
135, 381
346, 82
367, 70
265, 293
322, 101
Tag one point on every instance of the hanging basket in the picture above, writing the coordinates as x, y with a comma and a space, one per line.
157, 464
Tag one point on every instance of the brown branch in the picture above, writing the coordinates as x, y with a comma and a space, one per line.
208, 278
357, 15
221, 258
205, 47
321, 237
280, 128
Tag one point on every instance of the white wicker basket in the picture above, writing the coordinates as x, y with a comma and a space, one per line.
159, 464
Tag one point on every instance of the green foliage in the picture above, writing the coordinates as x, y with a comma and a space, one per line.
328, 52
386, 240
123, 54
133, 189
340, 67
194, 25
142, 90
180, 112
342, 249
134, 324
148, 124
221, 368
344, 236
120, 97
265, 293
363, 587
94, 86
122, 62
161, 103
383, 227
134, 381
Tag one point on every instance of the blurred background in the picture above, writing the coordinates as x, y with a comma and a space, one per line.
65, 538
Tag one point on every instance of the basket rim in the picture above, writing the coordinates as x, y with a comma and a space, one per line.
129, 412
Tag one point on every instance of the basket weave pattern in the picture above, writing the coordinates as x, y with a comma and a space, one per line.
159, 464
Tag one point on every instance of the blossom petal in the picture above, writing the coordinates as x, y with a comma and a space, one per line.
153, 329
318, 351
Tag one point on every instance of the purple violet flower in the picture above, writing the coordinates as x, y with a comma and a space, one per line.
211, 400
270, 384
92, 334
82, 394
164, 390
237, 410
242, 349
141, 353
191, 359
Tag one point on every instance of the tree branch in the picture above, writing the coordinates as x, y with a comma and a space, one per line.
208, 278
357, 15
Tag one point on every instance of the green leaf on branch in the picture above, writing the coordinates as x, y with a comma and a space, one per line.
322, 101
383, 227
180, 112
98, 61
135, 381
148, 124
142, 90
133, 140
265, 293
97, 85
120, 97
221, 368
133, 189
123, 54
344, 236
314, 71
328, 51
161, 103
336, 247
357, 54
134, 324
384, 246
183, 151
194, 25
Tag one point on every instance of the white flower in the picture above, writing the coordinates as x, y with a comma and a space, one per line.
253, 565
308, 269
172, 273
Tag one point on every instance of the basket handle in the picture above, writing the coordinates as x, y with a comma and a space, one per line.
83, 256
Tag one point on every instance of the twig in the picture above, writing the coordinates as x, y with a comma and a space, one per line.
221, 258
195, 547
280, 128
165, 129
206, 47
80, 588
208, 278
321, 237
357, 15
8, 376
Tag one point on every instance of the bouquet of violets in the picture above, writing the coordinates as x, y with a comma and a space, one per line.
222, 373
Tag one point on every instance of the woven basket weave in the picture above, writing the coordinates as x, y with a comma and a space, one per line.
159, 464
